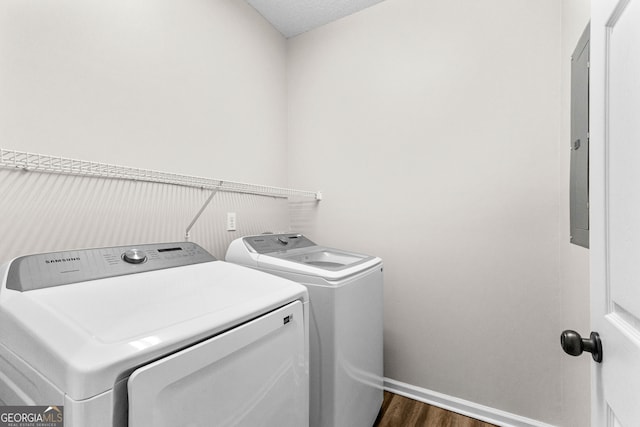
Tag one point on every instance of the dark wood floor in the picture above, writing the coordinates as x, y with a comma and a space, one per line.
398, 411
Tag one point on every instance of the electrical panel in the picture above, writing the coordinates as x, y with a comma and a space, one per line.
579, 175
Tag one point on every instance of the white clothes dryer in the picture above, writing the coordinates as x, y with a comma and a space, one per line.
153, 335
345, 291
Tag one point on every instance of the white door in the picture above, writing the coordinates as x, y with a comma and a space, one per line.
615, 210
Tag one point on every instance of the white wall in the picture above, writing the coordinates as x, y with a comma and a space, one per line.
574, 260
194, 87
45, 212
433, 127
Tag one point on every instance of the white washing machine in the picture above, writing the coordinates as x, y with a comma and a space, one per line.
156, 335
345, 290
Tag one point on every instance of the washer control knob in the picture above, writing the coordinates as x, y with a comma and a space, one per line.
284, 240
134, 256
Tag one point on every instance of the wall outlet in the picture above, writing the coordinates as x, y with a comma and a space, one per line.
231, 221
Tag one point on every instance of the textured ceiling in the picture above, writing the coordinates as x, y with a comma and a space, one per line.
292, 17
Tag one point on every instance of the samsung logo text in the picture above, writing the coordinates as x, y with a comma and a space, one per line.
52, 261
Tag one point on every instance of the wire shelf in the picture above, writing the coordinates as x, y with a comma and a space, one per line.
62, 165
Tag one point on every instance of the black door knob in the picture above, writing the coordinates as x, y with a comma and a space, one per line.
572, 343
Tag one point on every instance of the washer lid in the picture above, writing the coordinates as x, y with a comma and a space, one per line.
295, 253
328, 263
84, 336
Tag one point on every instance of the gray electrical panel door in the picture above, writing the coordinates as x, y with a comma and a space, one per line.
579, 176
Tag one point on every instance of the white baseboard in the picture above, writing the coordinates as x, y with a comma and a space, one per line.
464, 407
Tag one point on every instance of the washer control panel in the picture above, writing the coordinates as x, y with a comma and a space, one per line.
267, 243
62, 268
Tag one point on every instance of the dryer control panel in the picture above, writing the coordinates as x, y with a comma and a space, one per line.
267, 243
62, 268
